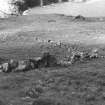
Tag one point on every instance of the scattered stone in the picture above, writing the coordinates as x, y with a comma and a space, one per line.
83, 56
32, 93
6, 67
24, 66
94, 53
76, 56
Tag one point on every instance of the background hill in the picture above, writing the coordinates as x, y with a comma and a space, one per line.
89, 8
93, 8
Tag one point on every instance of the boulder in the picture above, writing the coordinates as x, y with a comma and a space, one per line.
76, 56
24, 66
94, 54
9, 66
13, 64
6, 67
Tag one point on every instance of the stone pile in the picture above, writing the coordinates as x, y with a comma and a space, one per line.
47, 60
80, 56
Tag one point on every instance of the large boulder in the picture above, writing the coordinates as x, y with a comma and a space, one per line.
8, 66
24, 65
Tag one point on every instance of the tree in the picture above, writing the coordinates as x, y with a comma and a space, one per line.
41, 2
18, 6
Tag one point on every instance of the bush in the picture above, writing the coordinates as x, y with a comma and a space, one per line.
19, 6
22, 5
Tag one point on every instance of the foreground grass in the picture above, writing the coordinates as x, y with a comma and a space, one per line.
82, 83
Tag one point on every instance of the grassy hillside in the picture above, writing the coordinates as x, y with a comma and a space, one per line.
92, 8
27, 36
24, 30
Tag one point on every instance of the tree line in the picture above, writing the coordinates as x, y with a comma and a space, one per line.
32, 3
23, 5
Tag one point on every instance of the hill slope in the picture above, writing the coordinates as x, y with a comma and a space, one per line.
90, 8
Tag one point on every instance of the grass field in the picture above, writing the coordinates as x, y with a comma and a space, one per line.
82, 83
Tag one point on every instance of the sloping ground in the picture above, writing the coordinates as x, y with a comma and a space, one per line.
92, 8
26, 32
55, 27
81, 84
27, 36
